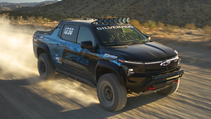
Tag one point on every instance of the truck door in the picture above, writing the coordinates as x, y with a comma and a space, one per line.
71, 49
88, 58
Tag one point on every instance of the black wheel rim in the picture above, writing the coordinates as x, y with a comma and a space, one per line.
42, 67
107, 94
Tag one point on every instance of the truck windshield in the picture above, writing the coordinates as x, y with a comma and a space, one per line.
120, 35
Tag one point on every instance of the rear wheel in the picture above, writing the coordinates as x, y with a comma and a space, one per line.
112, 95
170, 90
45, 67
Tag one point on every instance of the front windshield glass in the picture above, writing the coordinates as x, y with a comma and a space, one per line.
120, 35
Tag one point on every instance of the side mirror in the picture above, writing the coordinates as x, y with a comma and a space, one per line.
86, 44
148, 37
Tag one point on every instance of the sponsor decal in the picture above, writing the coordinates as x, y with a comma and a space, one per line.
68, 31
110, 56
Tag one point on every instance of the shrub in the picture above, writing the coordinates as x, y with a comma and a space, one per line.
39, 20
160, 25
151, 24
207, 29
20, 19
136, 23
31, 19
168, 28
190, 26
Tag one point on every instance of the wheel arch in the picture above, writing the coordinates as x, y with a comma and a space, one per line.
43, 48
104, 67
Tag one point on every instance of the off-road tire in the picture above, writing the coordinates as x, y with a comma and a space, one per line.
118, 93
170, 90
45, 67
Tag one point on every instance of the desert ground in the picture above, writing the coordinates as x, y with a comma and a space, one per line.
23, 95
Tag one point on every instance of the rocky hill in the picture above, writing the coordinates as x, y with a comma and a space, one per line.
174, 12
6, 6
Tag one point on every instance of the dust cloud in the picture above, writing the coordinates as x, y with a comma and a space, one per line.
16, 52
17, 57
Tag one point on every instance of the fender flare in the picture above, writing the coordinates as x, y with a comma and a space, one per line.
44, 47
113, 67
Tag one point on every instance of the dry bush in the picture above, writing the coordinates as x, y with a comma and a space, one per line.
190, 26
151, 24
136, 23
31, 20
175, 27
109, 17
207, 29
168, 28
145, 24
46, 20
5, 16
20, 19
160, 25
39, 20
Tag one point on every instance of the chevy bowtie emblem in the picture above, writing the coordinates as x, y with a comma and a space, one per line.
165, 63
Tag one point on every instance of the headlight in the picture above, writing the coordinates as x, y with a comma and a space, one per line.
130, 71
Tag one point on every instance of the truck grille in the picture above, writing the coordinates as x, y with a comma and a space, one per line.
157, 68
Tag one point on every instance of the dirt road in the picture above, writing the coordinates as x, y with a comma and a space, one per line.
23, 95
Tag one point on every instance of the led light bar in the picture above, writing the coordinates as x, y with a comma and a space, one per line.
113, 21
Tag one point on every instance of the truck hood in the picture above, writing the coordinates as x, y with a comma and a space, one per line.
147, 52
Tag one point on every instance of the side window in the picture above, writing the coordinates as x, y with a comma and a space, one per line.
85, 35
69, 32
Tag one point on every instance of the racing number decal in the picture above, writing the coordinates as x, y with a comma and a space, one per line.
68, 31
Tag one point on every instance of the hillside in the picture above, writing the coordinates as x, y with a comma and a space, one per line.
12, 7
174, 12
6, 6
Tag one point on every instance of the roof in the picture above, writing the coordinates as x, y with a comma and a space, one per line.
85, 22
80, 21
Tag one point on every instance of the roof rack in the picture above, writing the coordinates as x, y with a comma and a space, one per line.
112, 21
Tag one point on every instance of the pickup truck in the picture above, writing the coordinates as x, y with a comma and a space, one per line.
109, 54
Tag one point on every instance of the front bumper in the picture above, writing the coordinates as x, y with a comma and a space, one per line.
141, 82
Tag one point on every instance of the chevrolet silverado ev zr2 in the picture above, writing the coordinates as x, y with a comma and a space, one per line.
109, 54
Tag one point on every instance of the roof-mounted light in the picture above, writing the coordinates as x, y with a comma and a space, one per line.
119, 20
110, 20
124, 20
115, 20
105, 21
100, 21
127, 20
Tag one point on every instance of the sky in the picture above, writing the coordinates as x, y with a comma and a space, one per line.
22, 1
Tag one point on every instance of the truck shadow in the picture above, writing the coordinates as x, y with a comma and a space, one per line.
15, 90
96, 111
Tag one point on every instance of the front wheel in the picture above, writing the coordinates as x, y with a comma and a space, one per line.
111, 94
45, 67
170, 90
